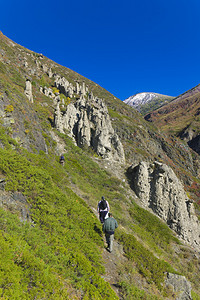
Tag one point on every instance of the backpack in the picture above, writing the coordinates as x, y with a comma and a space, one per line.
103, 204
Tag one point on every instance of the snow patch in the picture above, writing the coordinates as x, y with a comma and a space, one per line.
140, 99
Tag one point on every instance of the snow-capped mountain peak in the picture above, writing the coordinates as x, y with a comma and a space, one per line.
145, 102
140, 99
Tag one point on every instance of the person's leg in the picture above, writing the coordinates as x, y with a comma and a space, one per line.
111, 242
102, 216
107, 235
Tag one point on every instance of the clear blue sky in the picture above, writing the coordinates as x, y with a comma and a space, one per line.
125, 46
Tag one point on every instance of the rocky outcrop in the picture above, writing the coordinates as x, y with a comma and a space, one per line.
15, 203
88, 123
28, 90
47, 92
192, 137
68, 89
179, 285
159, 189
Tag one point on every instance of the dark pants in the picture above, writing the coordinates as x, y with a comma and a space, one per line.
102, 215
110, 239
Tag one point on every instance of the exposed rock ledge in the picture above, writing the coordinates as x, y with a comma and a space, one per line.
159, 189
179, 285
15, 203
88, 123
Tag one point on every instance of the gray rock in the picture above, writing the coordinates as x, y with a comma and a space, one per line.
63, 85
158, 188
88, 123
179, 285
50, 73
68, 89
15, 203
28, 90
45, 68
47, 91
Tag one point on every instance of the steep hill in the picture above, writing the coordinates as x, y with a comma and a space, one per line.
147, 102
181, 117
51, 241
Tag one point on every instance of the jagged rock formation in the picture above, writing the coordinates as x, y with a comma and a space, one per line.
47, 92
180, 285
28, 90
159, 189
68, 89
88, 123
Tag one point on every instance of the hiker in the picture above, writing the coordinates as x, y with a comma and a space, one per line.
103, 209
109, 226
62, 159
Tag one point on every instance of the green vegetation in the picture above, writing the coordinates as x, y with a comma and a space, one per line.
155, 104
154, 232
148, 265
66, 237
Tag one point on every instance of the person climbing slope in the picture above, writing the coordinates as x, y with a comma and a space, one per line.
103, 209
62, 160
109, 227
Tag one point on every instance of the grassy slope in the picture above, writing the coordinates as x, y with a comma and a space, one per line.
60, 256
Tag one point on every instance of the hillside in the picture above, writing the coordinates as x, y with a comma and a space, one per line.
147, 102
51, 241
181, 117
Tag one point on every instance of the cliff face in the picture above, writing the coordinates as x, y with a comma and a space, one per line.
88, 123
160, 190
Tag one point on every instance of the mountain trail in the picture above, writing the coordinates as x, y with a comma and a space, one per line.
111, 264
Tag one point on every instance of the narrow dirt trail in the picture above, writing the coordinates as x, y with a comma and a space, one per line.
111, 262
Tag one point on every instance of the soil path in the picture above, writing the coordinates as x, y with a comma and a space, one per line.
112, 262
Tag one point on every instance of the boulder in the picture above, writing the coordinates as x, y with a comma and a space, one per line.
179, 285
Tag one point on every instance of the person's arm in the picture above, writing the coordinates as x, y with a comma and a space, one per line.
98, 207
108, 206
116, 225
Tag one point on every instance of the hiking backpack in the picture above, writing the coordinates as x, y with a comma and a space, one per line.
103, 204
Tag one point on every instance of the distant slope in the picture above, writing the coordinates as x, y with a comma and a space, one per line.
146, 102
181, 111
181, 117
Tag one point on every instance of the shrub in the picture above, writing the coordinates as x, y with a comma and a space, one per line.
148, 265
9, 108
